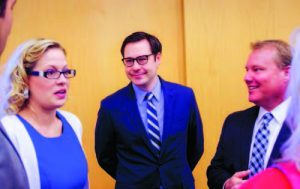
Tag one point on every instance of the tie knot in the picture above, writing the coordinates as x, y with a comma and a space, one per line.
267, 118
149, 96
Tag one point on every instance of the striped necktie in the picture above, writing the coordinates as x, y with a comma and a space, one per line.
152, 122
260, 146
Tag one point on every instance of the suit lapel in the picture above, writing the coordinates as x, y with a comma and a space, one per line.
168, 112
246, 131
284, 134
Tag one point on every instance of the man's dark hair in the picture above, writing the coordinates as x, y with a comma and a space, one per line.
138, 36
2, 7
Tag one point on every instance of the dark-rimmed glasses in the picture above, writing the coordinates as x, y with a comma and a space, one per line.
54, 74
141, 60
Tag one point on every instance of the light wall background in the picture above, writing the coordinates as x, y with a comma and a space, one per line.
205, 46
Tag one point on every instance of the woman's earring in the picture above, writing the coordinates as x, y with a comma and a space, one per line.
26, 93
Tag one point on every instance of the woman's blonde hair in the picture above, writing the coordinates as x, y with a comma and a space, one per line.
291, 149
32, 52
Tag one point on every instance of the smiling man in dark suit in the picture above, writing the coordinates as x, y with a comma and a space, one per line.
149, 133
251, 139
12, 172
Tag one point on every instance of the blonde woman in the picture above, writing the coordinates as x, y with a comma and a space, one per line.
47, 139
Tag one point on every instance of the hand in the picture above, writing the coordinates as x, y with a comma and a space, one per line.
236, 180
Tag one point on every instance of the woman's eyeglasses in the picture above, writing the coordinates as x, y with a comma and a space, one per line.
54, 74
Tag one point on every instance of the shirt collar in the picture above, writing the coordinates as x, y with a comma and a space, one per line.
140, 94
279, 113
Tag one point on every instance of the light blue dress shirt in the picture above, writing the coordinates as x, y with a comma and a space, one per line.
158, 103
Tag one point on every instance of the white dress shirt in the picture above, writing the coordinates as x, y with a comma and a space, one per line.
279, 114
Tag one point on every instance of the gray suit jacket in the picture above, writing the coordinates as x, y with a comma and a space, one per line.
12, 172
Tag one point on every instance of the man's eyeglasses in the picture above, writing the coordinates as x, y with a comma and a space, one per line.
141, 60
54, 74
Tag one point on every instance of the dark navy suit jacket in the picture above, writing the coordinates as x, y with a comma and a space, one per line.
124, 151
12, 172
234, 147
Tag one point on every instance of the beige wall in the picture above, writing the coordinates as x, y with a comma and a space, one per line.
205, 45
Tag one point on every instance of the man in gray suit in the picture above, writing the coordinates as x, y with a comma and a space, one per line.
12, 172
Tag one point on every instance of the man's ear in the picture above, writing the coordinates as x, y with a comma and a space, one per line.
158, 57
287, 74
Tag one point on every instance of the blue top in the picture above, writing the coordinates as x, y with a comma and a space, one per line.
61, 160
